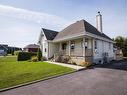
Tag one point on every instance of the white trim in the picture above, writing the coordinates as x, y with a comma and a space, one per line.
69, 37
98, 37
60, 47
69, 47
81, 34
84, 48
40, 37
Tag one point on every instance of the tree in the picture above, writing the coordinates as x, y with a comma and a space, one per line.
121, 42
12, 51
39, 54
125, 48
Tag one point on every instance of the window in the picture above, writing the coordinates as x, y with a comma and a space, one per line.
86, 43
95, 44
73, 45
45, 49
64, 46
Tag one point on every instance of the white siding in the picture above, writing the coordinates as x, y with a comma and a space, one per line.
78, 48
102, 47
53, 48
44, 46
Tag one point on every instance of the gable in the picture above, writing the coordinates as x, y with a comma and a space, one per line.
49, 34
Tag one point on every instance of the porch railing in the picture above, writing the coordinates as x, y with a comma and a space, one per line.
88, 53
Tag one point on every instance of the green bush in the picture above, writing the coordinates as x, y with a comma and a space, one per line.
43, 59
39, 54
23, 56
125, 54
34, 59
12, 52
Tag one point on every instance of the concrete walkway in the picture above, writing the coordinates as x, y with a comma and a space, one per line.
67, 65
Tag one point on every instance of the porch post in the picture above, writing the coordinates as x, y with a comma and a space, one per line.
84, 48
60, 47
69, 47
93, 49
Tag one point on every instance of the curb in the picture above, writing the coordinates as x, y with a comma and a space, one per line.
36, 81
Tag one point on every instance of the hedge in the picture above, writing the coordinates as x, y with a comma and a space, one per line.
23, 56
16, 52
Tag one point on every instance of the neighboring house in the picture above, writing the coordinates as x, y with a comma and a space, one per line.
3, 50
12, 49
80, 41
31, 48
118, 54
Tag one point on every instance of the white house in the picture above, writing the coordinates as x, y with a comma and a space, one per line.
80, 41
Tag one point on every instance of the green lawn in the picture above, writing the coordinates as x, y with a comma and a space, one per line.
8, 59
13, 72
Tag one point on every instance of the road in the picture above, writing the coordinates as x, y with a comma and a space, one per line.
99, 80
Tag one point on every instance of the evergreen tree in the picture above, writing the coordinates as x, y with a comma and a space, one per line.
39, 54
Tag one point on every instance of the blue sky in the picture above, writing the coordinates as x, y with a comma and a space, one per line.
21, 20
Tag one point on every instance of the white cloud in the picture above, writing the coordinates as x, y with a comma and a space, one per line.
20, 27
43, 19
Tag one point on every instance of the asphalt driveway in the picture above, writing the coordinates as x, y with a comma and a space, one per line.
100, 80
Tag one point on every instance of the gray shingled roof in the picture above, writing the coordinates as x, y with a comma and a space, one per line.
91, 29
4, 46
31, 46
50, 34
78, 27
74, 28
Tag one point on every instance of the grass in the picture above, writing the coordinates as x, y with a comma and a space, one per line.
14, 73
125, 58
8, 59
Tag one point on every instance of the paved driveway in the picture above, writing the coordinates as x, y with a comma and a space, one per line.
107, 80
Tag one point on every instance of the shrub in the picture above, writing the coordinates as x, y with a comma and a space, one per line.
72, 62
23, 56
39, 54
86, 64
43, 58
125, 54
34, 59
65, 59
16, 52
12, 52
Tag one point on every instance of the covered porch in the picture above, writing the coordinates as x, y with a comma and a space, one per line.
79, 49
